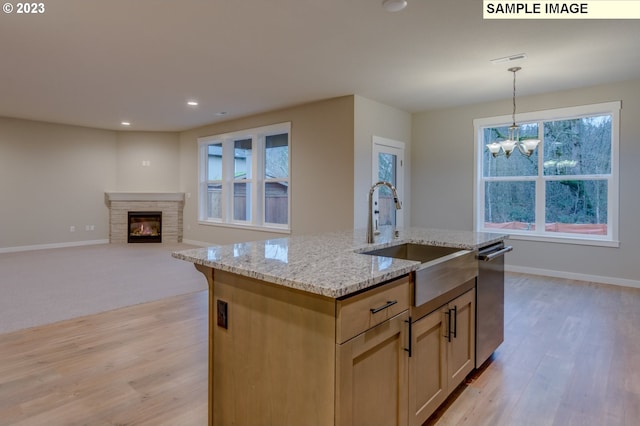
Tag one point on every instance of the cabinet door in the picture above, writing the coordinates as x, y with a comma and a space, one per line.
372, 375
427, 366
461, 349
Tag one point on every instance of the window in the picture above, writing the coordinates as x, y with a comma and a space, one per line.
244, 178
567, 191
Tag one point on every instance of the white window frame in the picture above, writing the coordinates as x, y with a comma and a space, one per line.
257, 179
609, 240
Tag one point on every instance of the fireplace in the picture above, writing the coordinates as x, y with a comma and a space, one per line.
145, 227
120, 204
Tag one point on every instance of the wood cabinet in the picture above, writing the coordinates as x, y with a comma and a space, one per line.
428, 374
462, 344
286, 355
371, 356
274, 363
280, 356
372, 372
443, 347
361, 312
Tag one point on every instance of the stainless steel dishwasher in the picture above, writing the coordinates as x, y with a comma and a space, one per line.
490, 300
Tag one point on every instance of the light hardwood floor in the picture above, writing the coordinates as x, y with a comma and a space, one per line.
571, 356
139, 365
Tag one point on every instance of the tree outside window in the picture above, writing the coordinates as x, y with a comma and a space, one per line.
566, 188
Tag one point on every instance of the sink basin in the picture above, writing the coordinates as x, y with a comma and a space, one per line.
417, 252
444, 271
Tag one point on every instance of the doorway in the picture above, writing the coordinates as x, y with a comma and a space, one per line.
388, 165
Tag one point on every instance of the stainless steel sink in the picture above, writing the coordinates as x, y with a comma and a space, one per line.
417, 252
443, 271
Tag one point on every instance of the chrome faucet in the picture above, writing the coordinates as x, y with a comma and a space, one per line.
370, 219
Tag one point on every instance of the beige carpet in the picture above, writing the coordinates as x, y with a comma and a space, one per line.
45, 286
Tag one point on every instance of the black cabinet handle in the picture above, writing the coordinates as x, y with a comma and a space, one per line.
455, 321
383, 307
409, 349
448, 335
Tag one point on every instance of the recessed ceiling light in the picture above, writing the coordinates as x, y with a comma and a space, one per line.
192, 103
126, 123
394, 5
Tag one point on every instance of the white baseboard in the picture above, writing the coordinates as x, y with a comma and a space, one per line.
198, 243
51, 246
574, 276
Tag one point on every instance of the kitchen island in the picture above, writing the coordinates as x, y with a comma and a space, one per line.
309, 330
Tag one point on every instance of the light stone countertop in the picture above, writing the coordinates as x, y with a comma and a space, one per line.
329, 264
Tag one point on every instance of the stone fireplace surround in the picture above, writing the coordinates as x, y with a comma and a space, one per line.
170, 204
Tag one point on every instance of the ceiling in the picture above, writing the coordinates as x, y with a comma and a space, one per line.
96, 63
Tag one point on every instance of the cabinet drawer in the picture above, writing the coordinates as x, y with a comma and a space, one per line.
357, 314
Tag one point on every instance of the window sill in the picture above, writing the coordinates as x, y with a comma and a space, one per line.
577, 240
272, 229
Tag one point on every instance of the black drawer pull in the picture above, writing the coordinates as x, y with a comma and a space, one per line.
455, 321
410, 348
383, 307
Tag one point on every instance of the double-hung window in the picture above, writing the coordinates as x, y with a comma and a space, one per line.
245, 179
566, 191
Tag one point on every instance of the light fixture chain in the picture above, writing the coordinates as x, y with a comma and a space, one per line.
514, 96
514, 70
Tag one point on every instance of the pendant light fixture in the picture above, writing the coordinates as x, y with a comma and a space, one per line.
506, 147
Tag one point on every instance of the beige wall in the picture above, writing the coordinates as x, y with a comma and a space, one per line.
321, 170
443, 170
54, 176
160, 149
376, 119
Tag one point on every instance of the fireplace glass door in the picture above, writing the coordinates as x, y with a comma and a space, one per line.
145, 227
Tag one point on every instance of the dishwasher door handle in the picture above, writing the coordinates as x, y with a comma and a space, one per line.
487, 257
